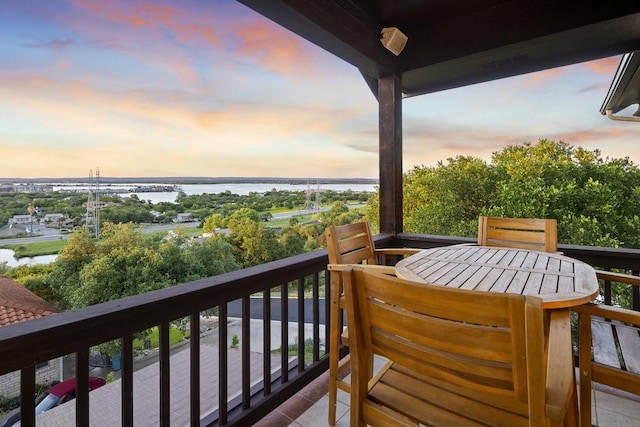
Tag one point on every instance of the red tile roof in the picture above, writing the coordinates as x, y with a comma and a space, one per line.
18, 304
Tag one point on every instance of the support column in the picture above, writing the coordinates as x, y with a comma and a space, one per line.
390, 152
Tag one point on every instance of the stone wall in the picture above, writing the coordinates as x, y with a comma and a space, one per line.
47, 373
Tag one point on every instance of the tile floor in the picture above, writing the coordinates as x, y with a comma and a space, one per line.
309, 408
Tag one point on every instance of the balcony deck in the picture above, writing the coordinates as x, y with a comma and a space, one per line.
309, 408
289, 387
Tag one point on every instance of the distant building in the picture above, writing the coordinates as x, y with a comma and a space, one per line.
33, 188
18, 304
53, 218
7, 188
96, 204
20, 219
184, 217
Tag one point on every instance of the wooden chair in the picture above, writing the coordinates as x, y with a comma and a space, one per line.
526, 233
458, 357
608, 346
348, 244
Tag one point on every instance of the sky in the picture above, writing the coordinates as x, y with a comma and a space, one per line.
211, 88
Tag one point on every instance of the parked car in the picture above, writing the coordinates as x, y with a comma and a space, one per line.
55, 395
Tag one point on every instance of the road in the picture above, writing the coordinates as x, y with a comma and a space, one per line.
48, 234
255, 309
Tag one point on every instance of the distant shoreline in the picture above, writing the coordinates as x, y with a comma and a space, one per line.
194, 180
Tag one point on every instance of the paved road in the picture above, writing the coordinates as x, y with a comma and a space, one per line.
255, 309
48, 234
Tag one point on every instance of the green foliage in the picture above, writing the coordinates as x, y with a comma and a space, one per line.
36, 279
123, 262
214, 221
292, 350
108, 348
153, 337
339, 214
36, 248
447, 199
595, 200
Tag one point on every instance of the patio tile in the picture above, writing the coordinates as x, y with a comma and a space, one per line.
275, 419
609, 409
317, 414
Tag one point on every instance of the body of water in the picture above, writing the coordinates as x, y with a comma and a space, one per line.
124, 190
7, 255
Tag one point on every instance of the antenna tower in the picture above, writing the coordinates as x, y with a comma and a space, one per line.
312, 201
93, 211
308, 205
88, 220
96, 205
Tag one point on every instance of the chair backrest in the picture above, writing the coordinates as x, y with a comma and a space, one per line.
481, 342
525, 233
350, 244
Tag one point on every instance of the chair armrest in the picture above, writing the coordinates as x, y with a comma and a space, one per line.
609, 312
385, 269
560, 378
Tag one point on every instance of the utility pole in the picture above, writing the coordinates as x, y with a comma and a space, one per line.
31, 210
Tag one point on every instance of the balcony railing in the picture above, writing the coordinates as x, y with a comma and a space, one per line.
24, 346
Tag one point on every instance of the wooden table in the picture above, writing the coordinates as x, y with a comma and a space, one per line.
560, 281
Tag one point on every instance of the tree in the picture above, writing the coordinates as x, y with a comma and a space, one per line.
78, 252
448, 198
339, 214
293, 238
594, 199
117, 274
254, 243
214, 221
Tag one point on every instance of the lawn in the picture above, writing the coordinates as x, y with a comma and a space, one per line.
285, 221
34, 249
175, 336
53, 247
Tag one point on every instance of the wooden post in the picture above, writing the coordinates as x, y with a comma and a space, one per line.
390, 149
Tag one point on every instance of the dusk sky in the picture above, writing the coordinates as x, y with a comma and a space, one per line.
211, 88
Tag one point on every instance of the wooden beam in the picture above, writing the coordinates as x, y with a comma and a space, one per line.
340, 27
390, 130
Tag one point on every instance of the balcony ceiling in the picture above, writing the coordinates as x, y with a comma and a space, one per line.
462, 42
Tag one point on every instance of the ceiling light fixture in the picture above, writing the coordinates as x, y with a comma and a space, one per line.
393, 39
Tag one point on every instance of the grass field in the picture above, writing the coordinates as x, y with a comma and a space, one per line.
34, 249
285, 221
175, 336
53, 247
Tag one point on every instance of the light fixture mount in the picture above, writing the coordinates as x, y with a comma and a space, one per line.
393, 39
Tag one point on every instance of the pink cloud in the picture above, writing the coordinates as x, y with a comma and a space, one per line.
185, 25
597, 135
541, 77
274, 48
603, 66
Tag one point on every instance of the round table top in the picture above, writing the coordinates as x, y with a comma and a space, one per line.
558, 280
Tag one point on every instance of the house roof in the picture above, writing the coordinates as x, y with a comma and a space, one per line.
18, 304
457, 43
625, 87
